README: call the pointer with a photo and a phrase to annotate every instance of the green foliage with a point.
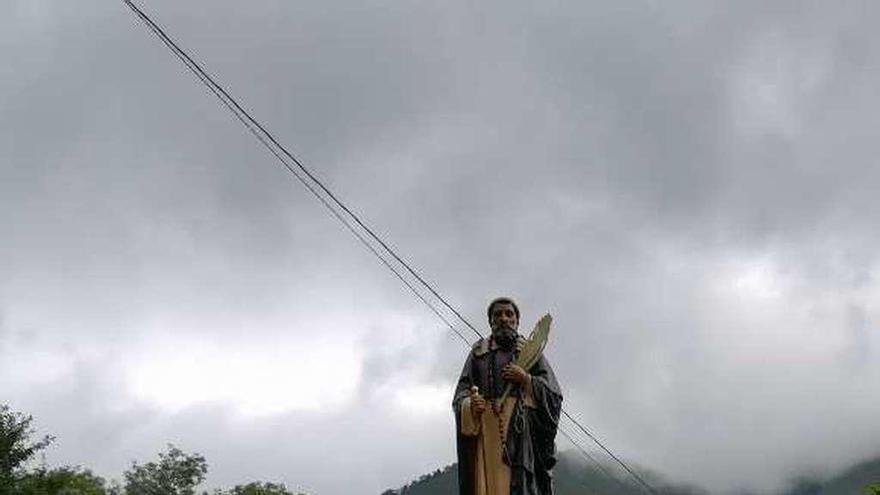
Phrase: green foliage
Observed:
(16, 445)
(60, 481)
(440, 482)
(572, 477)
(176, 473)
(805, 486)
(872, 489)
(257, 488)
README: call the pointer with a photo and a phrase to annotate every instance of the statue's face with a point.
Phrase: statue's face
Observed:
(504, 316)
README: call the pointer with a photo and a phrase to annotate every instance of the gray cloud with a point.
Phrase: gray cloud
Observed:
(688, 188)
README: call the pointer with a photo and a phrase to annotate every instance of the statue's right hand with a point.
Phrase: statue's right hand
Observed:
(478, 403)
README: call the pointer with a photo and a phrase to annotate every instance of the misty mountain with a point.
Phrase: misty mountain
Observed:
(574, 476)
(852, 481)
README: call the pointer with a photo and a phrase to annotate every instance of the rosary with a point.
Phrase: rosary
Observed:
(498, 409)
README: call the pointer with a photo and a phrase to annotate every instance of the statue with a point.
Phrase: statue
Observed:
(507, 405)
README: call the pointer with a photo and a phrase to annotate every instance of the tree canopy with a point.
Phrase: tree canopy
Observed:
(257, 488)
(175, 472)
(16, 444)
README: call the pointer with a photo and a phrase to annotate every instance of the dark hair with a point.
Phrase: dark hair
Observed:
(501, 300)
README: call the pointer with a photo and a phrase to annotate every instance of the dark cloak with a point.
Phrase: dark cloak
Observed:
(532, 431)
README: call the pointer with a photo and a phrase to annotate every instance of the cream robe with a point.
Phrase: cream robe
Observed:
(491, 472)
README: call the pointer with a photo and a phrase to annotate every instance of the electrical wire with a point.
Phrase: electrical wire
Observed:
(591, 458)
(243, 115)
(608, 451)
(252, 126)
(279, 151)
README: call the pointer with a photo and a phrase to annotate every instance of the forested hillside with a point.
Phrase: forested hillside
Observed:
(575, 477)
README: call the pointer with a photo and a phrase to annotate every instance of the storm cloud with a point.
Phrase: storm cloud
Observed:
(688, 187)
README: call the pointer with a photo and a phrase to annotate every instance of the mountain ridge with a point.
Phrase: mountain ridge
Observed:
(574, 477)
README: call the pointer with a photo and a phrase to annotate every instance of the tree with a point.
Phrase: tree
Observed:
(176, 473)
(60, 481)
(257, 488)
(16, 445)
(805, 486)
(872, 489)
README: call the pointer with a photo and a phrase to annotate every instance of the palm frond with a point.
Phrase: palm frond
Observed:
(532, 348)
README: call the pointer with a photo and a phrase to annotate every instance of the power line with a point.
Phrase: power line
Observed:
(619, 461)
(243, 115)
(588, 456)
(265, 138)
(252, 126)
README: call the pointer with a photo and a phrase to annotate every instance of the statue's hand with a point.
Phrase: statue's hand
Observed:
(516, 374)
(478, 403)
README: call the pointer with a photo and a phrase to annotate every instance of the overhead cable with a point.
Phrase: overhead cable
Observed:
(279, 151)
(591, 458)
(265, 138)
(603, 447)
(244, 115)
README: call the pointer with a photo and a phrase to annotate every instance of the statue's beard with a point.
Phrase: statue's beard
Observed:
(505, 338)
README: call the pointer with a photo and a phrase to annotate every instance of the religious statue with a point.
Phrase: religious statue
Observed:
(507, 405)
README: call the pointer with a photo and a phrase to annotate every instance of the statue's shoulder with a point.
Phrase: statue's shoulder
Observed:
(480, 347)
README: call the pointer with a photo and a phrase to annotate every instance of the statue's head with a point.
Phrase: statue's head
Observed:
(503, 316)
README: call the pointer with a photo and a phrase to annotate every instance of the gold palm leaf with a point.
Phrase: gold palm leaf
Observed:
(532, 348)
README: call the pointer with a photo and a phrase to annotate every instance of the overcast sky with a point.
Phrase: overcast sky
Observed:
(689, 187)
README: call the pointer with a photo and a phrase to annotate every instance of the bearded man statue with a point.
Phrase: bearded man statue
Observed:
(505, 447)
